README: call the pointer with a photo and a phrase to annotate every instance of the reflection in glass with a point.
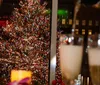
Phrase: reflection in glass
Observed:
(94, 58)
(70, 57)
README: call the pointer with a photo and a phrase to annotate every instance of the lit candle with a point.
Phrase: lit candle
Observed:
(18, 75)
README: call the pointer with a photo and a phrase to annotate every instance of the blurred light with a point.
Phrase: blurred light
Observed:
(63, 21)
(48, 11)
(99, 42)
(70, 21)
(69, 40)
(72, 38)
(83, 31)
(77, 32)
(53, 61)
(90, 32)
(73, 30)
(62, 12)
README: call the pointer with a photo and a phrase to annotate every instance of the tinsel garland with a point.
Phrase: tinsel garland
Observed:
(25, 42)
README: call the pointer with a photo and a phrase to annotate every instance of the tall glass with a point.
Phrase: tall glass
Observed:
(94, 58)
(71, 48)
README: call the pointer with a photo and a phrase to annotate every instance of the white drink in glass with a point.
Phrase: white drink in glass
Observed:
(94, 65)
(70, 60)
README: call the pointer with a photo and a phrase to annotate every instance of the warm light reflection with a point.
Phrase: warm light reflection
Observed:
(17, 75)
(53, 61)
(83, 31)
(63, 21)
(99, 42)
(90, 32)
(1, 2)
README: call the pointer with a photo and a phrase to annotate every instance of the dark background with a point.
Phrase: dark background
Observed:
(8, 5)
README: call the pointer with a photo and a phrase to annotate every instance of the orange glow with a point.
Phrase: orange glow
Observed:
(17, 75)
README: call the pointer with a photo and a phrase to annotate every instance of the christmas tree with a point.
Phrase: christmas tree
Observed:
(25, 41)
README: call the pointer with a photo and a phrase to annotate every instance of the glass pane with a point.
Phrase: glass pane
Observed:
(65, 21)
(86, 22)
